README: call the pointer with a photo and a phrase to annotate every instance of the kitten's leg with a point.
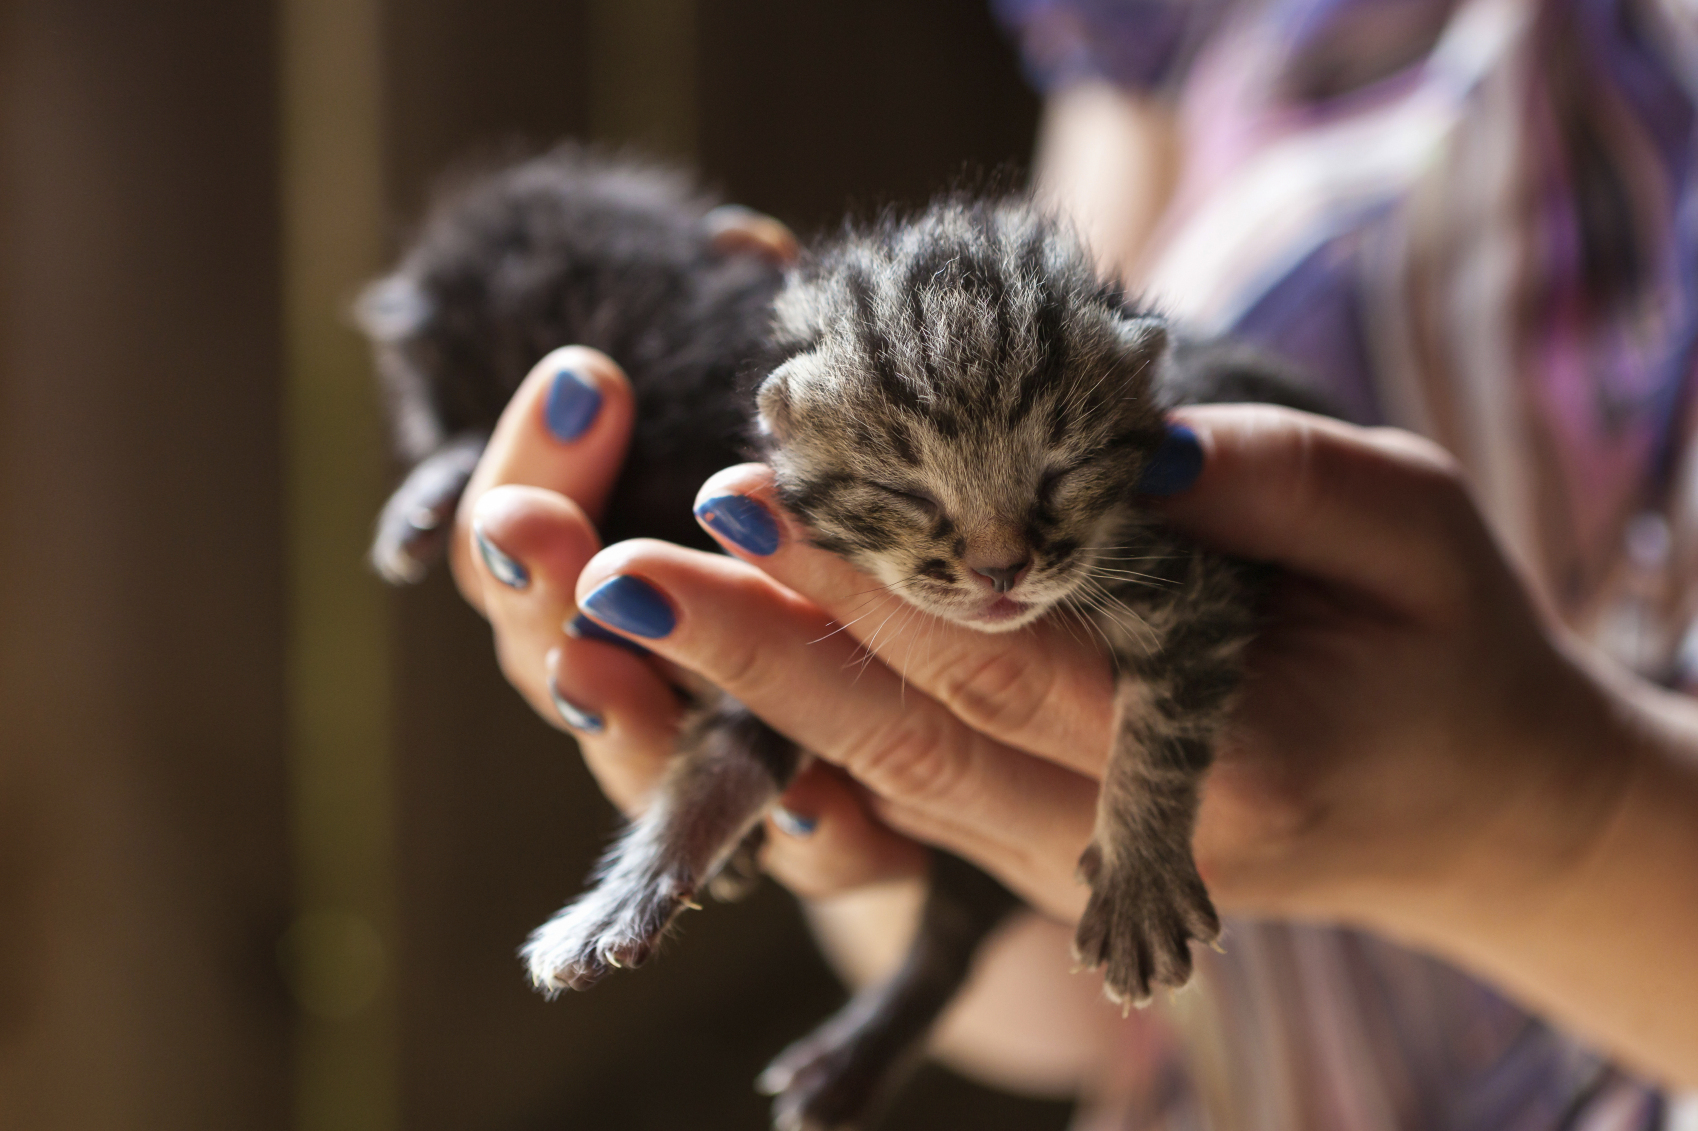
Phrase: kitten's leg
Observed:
(834, 1077)
(741, 873)
(730, 768)
(413, 529)
(1147, 900)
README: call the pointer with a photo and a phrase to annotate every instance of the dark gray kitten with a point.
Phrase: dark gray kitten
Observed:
(952, 401)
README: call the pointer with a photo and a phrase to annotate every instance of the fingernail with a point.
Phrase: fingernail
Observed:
(1176, 464)
(741, 521)
(632, 605)
(581, 627)
(793, 824)
(573, 715)
(572, 405)
(506, 570)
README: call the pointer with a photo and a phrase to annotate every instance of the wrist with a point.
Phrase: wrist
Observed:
(1581, 900)
(1555, 773)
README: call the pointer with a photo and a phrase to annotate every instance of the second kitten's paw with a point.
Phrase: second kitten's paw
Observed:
(828, 1080)
(618, 923)
(1140, 921)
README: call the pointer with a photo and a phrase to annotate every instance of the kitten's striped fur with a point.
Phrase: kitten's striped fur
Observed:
(964, 410)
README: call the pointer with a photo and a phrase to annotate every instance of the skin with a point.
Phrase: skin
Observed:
(1418, 751)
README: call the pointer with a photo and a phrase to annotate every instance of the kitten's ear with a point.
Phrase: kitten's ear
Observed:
(772, 405)
(1141, 334)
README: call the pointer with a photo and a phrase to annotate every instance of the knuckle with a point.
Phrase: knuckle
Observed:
(736, 663)
(910, 761)
(1001, 694)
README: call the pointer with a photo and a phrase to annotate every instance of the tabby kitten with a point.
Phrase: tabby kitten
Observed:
(952, 401)
(964, 410)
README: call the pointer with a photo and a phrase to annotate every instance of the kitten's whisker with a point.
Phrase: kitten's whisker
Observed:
(1110, 605)
(1103, 555)
(867, 646)
(1069, 613)
(1074, 606)
(1133, 575)
(850, 624)
(1090, 622)
(888, 590)
(914, 610)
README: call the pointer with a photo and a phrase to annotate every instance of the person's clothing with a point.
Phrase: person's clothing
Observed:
(1477, 219)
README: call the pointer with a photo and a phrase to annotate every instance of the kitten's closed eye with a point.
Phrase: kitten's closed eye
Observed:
(917, 497)
(1054, 480)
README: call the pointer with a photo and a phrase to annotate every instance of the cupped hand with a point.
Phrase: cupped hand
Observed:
(1408, 729)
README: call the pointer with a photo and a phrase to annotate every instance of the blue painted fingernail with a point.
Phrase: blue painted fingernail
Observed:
(581, 627)
(741, 521)
(1176, 464)
(506, 570)
(632, 605)
(793, 824)
(572, 405)
(573, 715)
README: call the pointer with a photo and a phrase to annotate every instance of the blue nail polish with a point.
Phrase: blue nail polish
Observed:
(572, 405)
(632, 605)
(573, 715)
(793, 824)
(741, 521)
(506, 570)
(1176, 464)
(581, 627)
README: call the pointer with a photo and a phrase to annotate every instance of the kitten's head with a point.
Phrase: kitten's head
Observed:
(963, 409)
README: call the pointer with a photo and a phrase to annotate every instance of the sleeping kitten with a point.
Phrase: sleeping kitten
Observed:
(964, 410)
(953, 402)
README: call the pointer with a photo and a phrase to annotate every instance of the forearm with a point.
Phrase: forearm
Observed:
(1108, 160)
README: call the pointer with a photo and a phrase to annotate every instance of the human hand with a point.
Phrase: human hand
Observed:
(524, 529)
(1401, 737)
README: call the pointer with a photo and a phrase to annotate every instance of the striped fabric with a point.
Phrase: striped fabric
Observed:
(1477, 219)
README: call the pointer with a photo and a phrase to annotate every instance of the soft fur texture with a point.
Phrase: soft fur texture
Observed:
(952, 401)
(963, 410)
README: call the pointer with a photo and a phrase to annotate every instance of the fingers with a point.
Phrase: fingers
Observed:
(565, 430)
(823, 840)
(531, 545)
(1046, 689)
(1378, 510)
(1022, 816)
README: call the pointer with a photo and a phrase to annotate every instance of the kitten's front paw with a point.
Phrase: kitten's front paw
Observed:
(1140, 921)
(618, 923)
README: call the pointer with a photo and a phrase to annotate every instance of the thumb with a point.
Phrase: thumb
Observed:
(1379, 510)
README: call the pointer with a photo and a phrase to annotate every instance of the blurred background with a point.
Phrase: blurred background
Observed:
(270, 835)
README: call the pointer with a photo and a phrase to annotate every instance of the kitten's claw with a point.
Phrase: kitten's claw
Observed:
(615, 926)
(1139, 924)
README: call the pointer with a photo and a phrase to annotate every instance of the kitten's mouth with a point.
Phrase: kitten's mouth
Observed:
(1000, 610)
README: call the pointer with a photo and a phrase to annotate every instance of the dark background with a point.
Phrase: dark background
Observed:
(149, 829)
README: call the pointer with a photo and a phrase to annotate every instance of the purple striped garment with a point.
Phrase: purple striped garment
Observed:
(1477, 219)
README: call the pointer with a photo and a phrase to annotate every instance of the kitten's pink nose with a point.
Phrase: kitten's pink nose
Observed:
(1003, 577)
